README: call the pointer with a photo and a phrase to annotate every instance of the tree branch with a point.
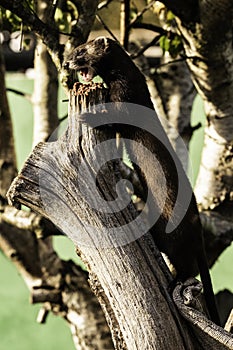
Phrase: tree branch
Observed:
(104, 4)
(149, 26)
(139, 14)
(48, 33)
(30, 221)
(186, 10)
(45, 113)
(60, 285)
(209, 42)
(145, 47)
(7, 151)
(86, 17)
(54, 168)
(124, 23)
(20, 93)
(106, 27)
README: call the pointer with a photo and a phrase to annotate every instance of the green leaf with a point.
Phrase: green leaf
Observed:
(170, 16)
(176, 46)
(63, 20)
(164, 43)
(171, 43)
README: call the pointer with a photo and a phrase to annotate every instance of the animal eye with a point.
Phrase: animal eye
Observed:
(81, 52)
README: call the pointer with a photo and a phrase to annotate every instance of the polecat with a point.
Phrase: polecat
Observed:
(184, 243)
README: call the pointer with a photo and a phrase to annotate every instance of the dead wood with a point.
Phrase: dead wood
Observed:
(126, 275)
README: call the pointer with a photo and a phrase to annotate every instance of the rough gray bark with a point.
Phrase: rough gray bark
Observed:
(7, 151)
(186, 11)
(177, 94)
(45, 93)
(131, 285)
(208, 39)
(116, 267)
(26, 237)
(60, 286)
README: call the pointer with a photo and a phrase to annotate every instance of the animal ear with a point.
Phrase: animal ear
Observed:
(102, 42)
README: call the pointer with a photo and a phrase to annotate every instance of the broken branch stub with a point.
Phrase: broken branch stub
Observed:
(57, 181)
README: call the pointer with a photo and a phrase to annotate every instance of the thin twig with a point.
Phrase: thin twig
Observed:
(21, 37)
(124, 23)
(139, 14)
(144, 48)
(149, 26)
(183, 58)
(54, 7)
(63, 118)
(106, 27)
(20, 93)
(103, 4)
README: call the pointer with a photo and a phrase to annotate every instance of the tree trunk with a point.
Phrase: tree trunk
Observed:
(128, 274)
(60, 286)
(208, 40)
(61, 161)
(26, 237)
(177, 94)
(45, 85)
(45, 94)
(130, 278)
(7, 151)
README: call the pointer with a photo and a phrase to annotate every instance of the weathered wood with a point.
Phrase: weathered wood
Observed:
(7, 151)
(130, 276)
(61, 286)
(74, 183)
(208, 334)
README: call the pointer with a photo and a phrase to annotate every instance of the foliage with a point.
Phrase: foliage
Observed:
(63, 17)
(66, 15)
(171, 43)
(9, 21)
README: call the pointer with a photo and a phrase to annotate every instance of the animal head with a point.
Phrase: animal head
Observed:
(88, 58)
(106, 58)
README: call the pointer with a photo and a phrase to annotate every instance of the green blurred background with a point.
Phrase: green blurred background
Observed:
(18, 327)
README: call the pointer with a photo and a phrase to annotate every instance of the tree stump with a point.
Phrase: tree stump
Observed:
(76, 182)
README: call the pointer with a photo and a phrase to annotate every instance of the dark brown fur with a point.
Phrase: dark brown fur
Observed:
(184, 245)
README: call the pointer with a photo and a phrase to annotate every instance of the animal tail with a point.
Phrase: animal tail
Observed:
(207, 288)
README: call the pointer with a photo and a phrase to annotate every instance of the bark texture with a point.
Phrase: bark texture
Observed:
(208, 40)
(45, 94)
(177, 94)
(208, 62)
(130, 285)
(60, 286)
(116, 267)
(7, 151)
